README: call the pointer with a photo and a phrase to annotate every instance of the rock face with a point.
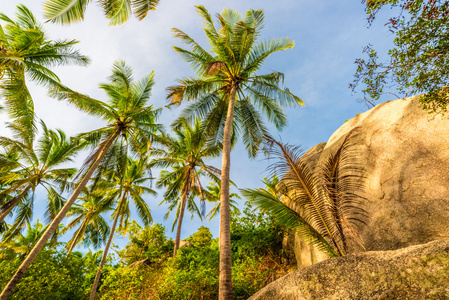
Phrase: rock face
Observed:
(405, 155)
(416, 272)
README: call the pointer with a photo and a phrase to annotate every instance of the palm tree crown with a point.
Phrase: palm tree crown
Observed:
(92, 227)
(26, 50)
(230, 70)
(38, 164)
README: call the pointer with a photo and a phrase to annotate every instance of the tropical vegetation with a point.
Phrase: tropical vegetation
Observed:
(185, 154)
(116, 11)
(226, 94)
(417, 63)
(229, 98)
(145, 268)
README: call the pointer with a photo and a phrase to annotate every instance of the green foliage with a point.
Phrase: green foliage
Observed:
(116, 11)
(228, 72)
(52, 276)
(35, 162)
(147, 242)
(26, 53)
(193, 274)
(418, 60)
(201, 238)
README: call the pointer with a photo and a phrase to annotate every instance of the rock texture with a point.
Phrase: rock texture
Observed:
(405, 154)
(416, 272)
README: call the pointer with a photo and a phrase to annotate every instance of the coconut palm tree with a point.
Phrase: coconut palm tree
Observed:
(125, 183)
(213, 191)
(116, 11)
(88, 216)
(35, 164)
(22, 244)
(185, 154)
(324, 206)
(27, 53)
(129, 120)
(229, 96)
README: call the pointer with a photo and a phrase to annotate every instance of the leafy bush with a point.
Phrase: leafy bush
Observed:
(51, 276)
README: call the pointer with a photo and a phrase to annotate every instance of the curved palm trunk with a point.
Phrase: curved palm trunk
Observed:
(6, 209)
(181, 216)
(225, 281)
(55, 223)
(106, 249)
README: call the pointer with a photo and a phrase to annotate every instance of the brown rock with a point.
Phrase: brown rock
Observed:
(405, 153)
(416, 272)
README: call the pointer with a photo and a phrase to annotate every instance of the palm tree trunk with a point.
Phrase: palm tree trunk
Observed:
(181, 216)
(106, 249)
(9, 206)
(75, 239)
(55, 223)
(225, 281)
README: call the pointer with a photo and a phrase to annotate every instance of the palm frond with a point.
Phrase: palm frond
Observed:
(65, 11)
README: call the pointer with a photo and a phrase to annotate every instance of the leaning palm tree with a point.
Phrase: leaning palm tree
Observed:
(35, 164)
(129, 120)
(325, 206)
(116, 11)
(185, 155)
(88, 217)
(27, 53)
(229, 96)
(125, 183)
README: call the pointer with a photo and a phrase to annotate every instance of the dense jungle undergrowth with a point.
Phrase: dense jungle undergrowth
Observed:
(145, 268)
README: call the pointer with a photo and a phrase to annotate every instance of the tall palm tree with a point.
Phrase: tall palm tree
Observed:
(185, 155)
(116, 11)
(26, 52)
(35, 164)
(229, 95)
(92, 227)
(125, 183)
(325, 206)
(213, 191)
(129, 120)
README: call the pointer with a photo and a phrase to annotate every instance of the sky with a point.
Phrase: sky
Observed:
(329, 36)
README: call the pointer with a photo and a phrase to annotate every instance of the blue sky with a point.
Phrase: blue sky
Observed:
(329, 35)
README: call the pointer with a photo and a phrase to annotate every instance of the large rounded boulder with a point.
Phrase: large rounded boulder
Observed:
(404, 152)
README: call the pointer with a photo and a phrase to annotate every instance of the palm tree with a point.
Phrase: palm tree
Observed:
(227, 85)
(324, 206)
(25, 51)
(116, 11)
(22, 244)
(185, 155)
(33, 166)
(93, 228)
(213, 191)
(129, 120)
(125, 183)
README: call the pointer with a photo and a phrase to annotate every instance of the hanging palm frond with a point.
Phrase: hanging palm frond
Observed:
(325, 205)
